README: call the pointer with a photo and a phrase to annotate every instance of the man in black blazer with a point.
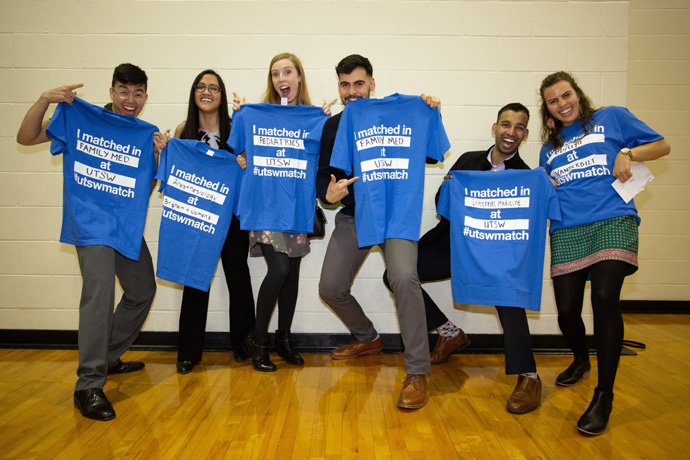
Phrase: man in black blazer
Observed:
(433, 263)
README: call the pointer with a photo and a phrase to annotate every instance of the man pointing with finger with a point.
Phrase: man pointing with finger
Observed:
(344, 257)
(109, 161)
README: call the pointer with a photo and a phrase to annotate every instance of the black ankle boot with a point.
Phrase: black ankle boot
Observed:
(258, 350)
(574, 373)
(285, 351)
(595, 418)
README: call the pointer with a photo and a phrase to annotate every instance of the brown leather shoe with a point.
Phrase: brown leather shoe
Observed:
(356, 349)
(526, 396)
(414, 393)
(447, 345)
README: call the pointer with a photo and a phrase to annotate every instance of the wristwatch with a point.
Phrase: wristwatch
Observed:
(627, 151)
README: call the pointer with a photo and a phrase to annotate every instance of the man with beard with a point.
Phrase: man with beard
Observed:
(344, 257)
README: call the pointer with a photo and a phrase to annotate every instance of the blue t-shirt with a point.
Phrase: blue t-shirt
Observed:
(498, 234)
(582, 166)
(199, 184)
(282, 144)
(387, 142)
(108, 166)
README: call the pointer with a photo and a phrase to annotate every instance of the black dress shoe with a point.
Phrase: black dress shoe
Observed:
(184, 367)
(258, 350)
(574, 373)
(240, 356)
(123, 367)
(596, 417)
(93, 404)
(285, 351)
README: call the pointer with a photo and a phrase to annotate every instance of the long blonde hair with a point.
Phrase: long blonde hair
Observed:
(272, 96)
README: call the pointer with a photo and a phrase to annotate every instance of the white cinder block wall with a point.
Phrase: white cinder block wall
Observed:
(475, 55)
(659, 93)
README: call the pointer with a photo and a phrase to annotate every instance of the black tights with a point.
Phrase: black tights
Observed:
(281, 284)
(607, 280)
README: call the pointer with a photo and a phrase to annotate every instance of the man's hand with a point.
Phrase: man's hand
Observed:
(236, 102)
(33, 129)
(326, 106)
(432, 101)
(338, 190)
(242, 160)
(65, 93)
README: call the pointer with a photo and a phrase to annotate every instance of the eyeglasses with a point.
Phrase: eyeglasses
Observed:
(211, 88)
(122, 94)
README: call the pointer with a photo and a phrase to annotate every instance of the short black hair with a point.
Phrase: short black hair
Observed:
(129, 74)
(515, 107)
(351, 62)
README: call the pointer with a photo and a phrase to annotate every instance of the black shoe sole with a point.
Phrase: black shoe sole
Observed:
(590, 433)
(259, 369)
(98, 419)
(292, 362)
(240, 358)
(568, 384)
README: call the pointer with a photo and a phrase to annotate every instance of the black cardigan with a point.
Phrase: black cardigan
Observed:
(469, 161)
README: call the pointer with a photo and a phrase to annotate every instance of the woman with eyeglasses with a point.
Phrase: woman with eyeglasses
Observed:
(208, 120)
(282, 251)
(585, 150)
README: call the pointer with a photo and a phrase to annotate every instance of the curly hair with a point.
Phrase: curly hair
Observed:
(551, 127)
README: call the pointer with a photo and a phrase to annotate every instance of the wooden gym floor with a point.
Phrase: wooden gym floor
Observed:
(346, 409)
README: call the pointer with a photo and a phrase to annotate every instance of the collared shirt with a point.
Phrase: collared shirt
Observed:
(501, 166)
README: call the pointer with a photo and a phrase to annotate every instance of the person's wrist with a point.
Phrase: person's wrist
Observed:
(626, 152)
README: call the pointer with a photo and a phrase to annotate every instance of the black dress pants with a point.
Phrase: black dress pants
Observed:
(194, 309)
(433, 264)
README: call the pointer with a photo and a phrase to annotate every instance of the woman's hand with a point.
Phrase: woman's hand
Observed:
(160, 142)
(242, 160)
(236, 102)
(621, 168)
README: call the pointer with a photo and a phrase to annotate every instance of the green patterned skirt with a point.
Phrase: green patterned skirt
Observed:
(578, 247)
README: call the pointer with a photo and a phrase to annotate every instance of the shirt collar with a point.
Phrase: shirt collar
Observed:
(502, 165)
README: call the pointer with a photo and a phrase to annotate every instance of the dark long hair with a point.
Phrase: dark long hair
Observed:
(191, 126)
(552, 135)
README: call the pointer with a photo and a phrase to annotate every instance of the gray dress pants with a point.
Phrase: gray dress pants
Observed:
(343, 259)
(104, 334)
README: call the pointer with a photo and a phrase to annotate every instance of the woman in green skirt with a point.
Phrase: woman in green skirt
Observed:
(585, 150)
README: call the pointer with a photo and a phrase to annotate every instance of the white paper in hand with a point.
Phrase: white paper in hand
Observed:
(641, 176)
